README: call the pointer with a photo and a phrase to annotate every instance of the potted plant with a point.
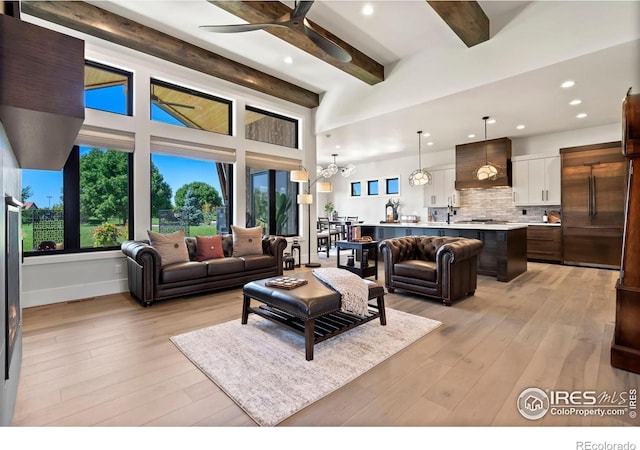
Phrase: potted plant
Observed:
(328, 207)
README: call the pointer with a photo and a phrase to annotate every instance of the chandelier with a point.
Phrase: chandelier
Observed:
(420, 176)
(333, 169)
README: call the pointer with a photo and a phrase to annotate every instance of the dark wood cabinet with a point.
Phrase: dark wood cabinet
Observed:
(544, 243)
(471, 156)
(625, 348)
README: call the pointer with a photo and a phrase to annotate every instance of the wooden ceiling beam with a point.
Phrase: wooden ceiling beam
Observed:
(111, 27)
(466, 19)
(360, 66)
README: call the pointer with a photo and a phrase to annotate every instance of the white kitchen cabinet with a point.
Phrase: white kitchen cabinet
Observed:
(536, 180)
(441, 192)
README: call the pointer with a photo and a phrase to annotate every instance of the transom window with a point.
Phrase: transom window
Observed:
(269, 127)
(185, 107)
(107, 88)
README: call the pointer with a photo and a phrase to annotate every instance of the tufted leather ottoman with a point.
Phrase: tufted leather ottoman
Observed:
(312, 309)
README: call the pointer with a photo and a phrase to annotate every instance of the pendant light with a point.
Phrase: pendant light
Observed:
(420, 176)
(489, 171)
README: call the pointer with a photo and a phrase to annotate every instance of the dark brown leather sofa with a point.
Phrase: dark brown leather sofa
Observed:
(439, 267)
(149, 281)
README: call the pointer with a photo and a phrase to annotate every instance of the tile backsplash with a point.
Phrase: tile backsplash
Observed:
(495, 203)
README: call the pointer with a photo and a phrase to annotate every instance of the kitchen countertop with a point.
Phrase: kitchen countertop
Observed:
(465, 226)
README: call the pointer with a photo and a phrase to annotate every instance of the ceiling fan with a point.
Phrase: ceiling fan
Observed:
(296, 20)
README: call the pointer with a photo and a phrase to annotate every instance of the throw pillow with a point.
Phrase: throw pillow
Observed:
(209, 247)
(246, 241)
(171, 247)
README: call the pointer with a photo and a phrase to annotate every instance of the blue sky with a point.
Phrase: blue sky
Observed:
(46, 185)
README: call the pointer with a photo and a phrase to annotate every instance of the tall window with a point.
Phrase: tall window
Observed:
(107, 88)
(272, 128)
(189, 194)
(86, 206)
(185, 107)
(271, 202)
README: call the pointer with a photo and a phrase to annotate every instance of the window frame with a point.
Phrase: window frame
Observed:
(271, 201)
(71, 207)
(296, 122)
(126, 73)
(194, 92)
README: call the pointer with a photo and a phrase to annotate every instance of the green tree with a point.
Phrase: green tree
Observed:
(203, 192)
(104, 180)
(27, 192)
(160, 192)
(191, 212)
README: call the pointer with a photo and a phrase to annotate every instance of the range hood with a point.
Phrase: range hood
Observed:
(472, 155)
(41, 92)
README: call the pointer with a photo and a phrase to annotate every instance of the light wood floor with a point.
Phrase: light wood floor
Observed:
(108, 361)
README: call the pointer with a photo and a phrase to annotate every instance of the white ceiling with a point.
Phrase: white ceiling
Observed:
(433, 81)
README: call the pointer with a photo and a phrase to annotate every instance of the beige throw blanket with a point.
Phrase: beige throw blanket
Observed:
(352, 288)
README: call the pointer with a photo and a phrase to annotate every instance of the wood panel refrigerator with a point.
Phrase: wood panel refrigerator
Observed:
(593, 204)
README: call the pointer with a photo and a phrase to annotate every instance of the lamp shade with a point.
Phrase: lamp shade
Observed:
(305, 199)
(324, 186)
(299, 176)
(419, 177)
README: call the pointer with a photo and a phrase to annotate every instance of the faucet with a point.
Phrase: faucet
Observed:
(449, 209)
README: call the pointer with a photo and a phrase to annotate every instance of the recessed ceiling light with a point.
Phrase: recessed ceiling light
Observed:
(337, 146)
(288, 59)
(581, 115)
(367, 10)
(568, 84)
(575, 102)
(471, 135)
(426, 134)
(520, 127)
(429, 143)
(491, 121)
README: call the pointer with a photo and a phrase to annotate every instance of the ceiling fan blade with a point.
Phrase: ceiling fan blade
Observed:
(156, 99)
(238, 28)
(301, 10)
(328, 46)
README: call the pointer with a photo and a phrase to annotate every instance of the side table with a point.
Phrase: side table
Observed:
(364, 268)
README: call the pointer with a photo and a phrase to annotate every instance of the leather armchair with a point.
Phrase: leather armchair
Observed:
(441, 267)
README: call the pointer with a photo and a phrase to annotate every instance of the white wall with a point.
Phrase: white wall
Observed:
(58, 278)
(552, 143)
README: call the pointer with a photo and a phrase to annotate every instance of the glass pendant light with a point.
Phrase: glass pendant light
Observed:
(489, 171)
(420, 176)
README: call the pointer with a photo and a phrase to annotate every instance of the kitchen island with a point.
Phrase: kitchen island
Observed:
(503, 256)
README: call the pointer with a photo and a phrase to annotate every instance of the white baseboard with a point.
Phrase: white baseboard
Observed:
(74, 292)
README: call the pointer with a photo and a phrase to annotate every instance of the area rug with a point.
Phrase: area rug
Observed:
(262, 366)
